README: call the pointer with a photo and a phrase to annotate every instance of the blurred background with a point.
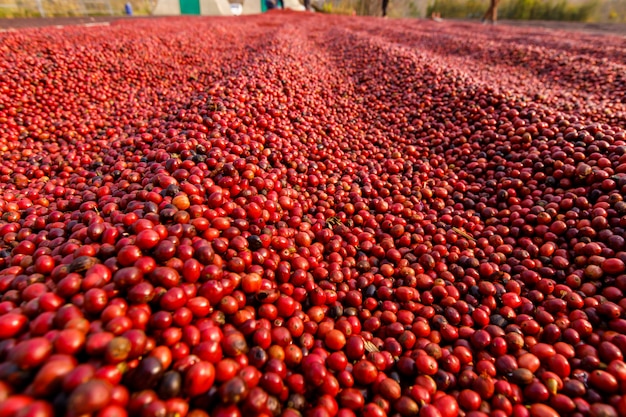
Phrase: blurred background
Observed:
(594, 11)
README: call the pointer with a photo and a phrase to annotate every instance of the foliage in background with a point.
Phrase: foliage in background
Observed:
(71, 8)
(567, 10)
(570, 10)
(396, 8)
(614, 11)
(458, 9)
(563, 10)
(518, 9)
(345, 9)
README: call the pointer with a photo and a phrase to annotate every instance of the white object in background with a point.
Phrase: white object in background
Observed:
(294, 5)
(236, 9)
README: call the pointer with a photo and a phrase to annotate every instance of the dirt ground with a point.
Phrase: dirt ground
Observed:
(599, 28)
(20, 23)
(613, 28)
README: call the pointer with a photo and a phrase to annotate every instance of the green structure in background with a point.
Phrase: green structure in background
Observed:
(190, 7)
(263, 6)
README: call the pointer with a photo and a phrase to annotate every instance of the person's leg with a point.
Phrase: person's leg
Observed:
(307, 5)
(489, 13)
(495, 11)
(486, 15)
(385, 4)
